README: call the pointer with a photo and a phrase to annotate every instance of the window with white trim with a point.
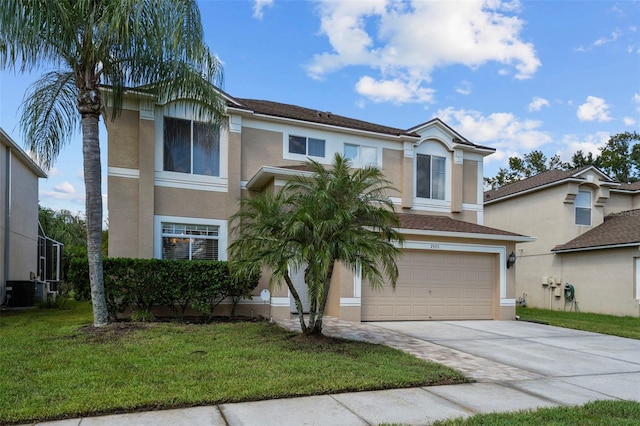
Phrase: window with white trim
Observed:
(189, 241)
(361, 155)
(191, 147)
(430, 176)
(583, 208)
(306, 146)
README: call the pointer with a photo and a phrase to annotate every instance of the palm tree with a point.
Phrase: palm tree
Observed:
(94, 45)
(335, 216)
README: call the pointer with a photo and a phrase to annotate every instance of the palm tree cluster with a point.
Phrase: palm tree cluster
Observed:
(335, 215)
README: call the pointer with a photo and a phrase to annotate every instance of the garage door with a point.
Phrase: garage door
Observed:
(435, 285)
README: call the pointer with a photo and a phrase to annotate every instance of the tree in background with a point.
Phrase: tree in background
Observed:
(68, 229)
(158, 44)
(620, 157)
(335, 216)
(531, 164)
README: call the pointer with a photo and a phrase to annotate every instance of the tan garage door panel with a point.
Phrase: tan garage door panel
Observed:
(435, 286)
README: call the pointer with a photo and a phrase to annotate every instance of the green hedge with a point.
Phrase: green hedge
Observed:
(179, 284)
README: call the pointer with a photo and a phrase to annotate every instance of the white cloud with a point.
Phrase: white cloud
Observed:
(464, 88)
(395, 91)
(604, 40)
(594, 109)
(259, 6)
(65, 188)
(537, 103)
(629, 121)
(587, 144)
(636, 98)
(503, 131)
(405, 41)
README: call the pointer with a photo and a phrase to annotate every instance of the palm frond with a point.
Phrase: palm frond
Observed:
(49, 115)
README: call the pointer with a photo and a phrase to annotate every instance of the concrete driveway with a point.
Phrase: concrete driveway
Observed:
(561, 364)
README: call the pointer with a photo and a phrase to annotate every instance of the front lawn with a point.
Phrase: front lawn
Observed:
(599, 413)
(597, 323)
(53, 367)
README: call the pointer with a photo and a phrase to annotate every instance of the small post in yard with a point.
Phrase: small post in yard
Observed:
(265, 295)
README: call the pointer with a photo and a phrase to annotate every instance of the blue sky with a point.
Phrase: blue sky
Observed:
(557, 76)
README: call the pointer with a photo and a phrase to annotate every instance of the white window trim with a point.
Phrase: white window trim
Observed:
(187, 180)
(576, 207)
(157, 232)
(447, 181)
(357, 162)
(303, 157)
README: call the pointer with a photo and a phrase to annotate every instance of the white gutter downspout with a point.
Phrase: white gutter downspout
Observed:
(7, 226)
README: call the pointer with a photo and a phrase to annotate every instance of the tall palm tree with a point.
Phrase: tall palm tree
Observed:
(94, 44)
(338, 215)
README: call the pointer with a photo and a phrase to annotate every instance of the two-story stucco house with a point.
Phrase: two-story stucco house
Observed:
(18, 219)
(171, 196)
(587, 230)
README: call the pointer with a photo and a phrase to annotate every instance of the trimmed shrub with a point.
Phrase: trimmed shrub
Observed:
(179, 284)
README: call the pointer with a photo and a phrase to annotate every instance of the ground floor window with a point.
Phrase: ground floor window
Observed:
(190, 241)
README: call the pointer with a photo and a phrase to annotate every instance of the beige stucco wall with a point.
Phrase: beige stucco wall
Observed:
(604, 281)
(261, 148)
(123, 217)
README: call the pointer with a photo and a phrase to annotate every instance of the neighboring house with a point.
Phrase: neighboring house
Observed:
(171, 196)
(23, 252)
(588, 236)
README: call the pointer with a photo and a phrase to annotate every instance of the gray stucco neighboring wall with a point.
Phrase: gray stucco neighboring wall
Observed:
(18, 213)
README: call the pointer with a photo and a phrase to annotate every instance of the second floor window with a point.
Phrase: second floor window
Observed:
(583, 208)
(361, 155)
(191, 147)
(306, 146)
(430, 176)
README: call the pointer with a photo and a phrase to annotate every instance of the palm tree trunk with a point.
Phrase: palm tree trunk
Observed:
(93, 191)
(298, 303)
(316, 327)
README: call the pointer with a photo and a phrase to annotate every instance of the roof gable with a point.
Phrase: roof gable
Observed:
(32, 165)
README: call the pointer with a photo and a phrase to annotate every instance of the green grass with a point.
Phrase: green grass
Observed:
(598, 323)
(601, 413)
(53, 369)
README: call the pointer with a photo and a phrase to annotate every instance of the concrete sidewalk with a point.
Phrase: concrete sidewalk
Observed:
(516, 365)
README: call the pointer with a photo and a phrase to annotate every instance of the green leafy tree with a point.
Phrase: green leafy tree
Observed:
(529, 165)
(67, 228)
(335, 216)
(92, 44)
(579, 159)
(620, 157)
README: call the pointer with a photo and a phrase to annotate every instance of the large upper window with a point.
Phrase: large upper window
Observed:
(306, 146)
(189, 242)
(583, 208)
(191, 147)
(361, 155)
(430, 176)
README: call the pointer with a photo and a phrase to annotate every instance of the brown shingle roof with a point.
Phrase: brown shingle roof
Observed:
(537, 181)
(447, 224)
(635, 186)
(618, 229)
(277, 109)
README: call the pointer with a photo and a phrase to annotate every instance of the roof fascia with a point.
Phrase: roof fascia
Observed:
(610, 246)
(262, 176)
(323, 126)
(469, 235)
(14, 147)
